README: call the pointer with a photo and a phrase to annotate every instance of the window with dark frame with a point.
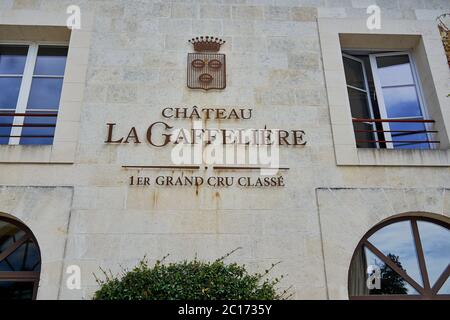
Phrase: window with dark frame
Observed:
(31, 78)
(386, 101)
(20, 261)
(409, 255)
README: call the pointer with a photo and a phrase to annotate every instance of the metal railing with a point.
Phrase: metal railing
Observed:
(395, 133)
(27, 125)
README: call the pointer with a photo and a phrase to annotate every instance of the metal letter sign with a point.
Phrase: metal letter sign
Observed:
(206, 68)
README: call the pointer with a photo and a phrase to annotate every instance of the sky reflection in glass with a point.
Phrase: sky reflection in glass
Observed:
(9, 92)
(445, 289)
(12, 59)
(395, 70)
(397, 239)
(45, 93)
(400, 136)
(402, 102)
(436, 246)
(51, 61)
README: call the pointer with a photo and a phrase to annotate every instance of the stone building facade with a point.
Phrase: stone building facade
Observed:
(284, 61)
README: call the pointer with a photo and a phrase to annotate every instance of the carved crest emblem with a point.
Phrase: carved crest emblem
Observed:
(206, 67)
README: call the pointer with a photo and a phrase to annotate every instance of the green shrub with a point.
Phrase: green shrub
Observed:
(190, 280)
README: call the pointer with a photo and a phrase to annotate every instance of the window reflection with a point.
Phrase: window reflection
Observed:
(45, 93)
(390, 281)
(12, 59)
(395, 70)
(397, 240)
(395, 243)
(368, 268)
(5, 128)
(51, 61)
(402, 136)
(445, 289)
(48, 78)
(402, 102)
(12, 65)
(9, 92)
(436, 246)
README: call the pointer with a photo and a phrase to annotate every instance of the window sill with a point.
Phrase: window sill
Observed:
(60, 153)
(391, 157)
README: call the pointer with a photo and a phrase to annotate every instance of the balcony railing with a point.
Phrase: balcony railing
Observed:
(379, 134)
(37, 127)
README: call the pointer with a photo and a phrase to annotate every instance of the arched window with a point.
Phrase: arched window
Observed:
(20, 260)
(402, 258)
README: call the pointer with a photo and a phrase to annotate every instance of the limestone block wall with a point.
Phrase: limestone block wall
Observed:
(136, 66)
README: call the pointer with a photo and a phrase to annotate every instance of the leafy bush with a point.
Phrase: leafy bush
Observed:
(190, 280)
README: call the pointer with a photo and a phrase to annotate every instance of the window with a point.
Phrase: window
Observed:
(416, 40)
(20, 260)
(403, 258)
(386, 102)
(31, 78)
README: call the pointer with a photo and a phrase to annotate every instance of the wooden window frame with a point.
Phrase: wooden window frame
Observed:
(426, 292)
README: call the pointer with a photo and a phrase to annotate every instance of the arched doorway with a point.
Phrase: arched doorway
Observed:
(20, 260)
(405, 257)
